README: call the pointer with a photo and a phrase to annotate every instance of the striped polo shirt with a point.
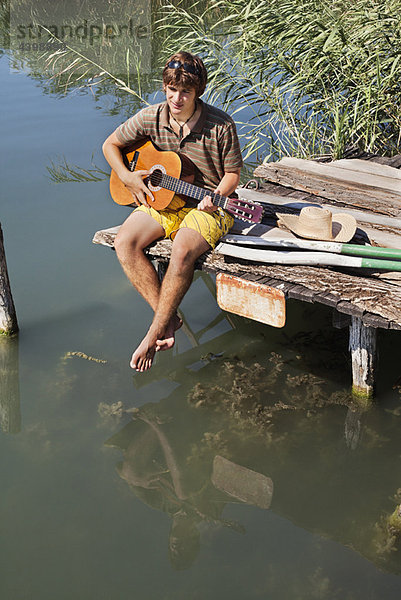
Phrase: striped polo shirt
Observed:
(212, 145)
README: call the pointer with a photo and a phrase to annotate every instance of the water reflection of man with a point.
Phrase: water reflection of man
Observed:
(207, 136)
(184, 541)
(156, 468)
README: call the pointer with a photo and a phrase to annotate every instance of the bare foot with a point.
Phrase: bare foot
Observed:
(142, 358)
(169, 337)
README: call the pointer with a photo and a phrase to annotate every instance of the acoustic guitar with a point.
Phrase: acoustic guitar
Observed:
(167, 172)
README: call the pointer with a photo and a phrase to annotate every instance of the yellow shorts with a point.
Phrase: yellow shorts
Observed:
(211, 226)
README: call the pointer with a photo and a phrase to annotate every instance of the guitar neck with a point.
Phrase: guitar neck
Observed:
(188, 189)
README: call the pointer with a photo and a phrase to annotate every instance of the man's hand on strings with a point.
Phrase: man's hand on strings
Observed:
(207, 204)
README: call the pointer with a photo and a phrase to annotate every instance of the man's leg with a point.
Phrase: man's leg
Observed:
(188, 245)
(134, 235)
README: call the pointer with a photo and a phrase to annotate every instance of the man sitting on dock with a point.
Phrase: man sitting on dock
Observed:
(207, 136)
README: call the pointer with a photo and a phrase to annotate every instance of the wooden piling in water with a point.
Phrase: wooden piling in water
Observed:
(8, 316)
(362, 344)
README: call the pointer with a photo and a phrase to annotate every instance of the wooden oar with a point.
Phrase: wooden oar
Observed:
(335, 247)
(284, 257)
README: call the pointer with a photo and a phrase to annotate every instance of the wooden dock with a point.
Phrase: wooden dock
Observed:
(365, 300)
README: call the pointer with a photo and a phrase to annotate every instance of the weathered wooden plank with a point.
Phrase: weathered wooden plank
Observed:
(299, 292)
(251, 276)
(385, 238)
(370, 198)
(298, 195)
(372, 295)
(326, 286)
(395, 161)
(105, 237)
(369, 167)
(274, 200)
(391, 161)
(327, 298)
(375, 177)
(374, 320)
(280, 285)
(350, 309)
(287, 289)
(277, 189)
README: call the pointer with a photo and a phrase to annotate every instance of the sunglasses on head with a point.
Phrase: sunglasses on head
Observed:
(176, 64)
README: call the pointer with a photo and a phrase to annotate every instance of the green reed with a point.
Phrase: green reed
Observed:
(62, 172)
(300, 77)
(315, 77)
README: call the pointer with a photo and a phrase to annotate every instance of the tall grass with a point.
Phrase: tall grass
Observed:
(300, 77)
(314, 76)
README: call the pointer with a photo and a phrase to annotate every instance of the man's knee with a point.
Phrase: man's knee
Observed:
(136, 233)
(126, 244)
(182, 256)
(188, 245)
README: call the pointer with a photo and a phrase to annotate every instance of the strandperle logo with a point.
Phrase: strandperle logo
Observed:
(94, 32)
(105, 32)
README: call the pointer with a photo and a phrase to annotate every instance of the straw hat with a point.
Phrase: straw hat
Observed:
(315, 223)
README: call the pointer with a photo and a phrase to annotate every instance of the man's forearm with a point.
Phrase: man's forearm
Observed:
(229, 183)
(132, 180)
(112, 153)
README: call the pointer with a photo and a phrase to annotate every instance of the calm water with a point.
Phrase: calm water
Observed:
(110, 483)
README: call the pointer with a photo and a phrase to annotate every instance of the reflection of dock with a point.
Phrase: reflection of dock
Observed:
(366, 300)
(161, 471)
(233, 428)
(190, 459)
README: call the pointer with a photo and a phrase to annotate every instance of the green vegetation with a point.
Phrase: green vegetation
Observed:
(315, 77)
(300, 77)
(63, 172)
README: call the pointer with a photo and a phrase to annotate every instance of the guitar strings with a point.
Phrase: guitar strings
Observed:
(187, 189)
(242, 210)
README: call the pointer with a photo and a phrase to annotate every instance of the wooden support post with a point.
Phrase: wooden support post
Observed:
(362, 344)
(161, 268)
(8, 317)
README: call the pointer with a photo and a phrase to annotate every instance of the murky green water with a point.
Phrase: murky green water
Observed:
(110, 483)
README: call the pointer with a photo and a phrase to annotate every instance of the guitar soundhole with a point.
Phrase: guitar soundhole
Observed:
(156, 177)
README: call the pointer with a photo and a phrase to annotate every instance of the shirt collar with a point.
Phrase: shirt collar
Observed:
(197, 128)
(164, 121)
(200, 123)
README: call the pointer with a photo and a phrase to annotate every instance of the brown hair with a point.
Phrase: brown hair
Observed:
(178, 76)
